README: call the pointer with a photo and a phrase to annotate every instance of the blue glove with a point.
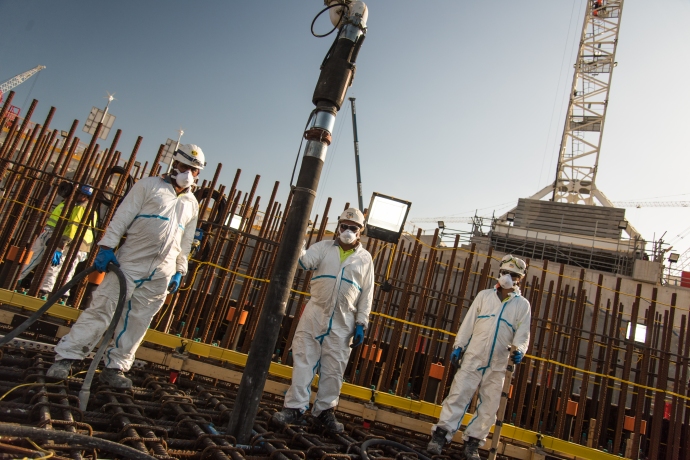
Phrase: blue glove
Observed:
(57, 258)
(103, 258)
(359, 336)
(455, 357)
(517, 356)
(175, 282)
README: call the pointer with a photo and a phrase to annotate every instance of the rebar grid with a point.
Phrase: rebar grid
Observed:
(579, 349)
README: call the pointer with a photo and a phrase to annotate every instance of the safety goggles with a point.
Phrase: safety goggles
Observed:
(182, 167)
(353, 228)
(512, 274)
(518, 262)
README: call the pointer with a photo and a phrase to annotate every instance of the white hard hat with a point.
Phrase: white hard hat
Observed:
(353, 214)
(513, 264)
(191, 155)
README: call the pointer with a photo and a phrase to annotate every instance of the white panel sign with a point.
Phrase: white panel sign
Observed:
(166, 157)
(94, 118)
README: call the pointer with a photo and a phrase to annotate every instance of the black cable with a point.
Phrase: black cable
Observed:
(294, 168)
(372, 442)
(108, 198)
(342, 15)
(49, 303)
(330, 50)
(80, 440)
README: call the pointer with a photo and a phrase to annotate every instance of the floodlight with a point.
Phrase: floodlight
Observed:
(166, 156)
(640, 333)
(673, 257)
(235, 222)
(386, 217)
(623, 224)
(441, 224)
(510, 217)
(99, 116)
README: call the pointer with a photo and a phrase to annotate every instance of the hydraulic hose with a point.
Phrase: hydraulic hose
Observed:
(49, 303)
(85, 389)
(385, 442)
(122, 297)
(81, 440)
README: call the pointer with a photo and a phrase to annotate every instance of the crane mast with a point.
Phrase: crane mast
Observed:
(578, 157)
(19, 79)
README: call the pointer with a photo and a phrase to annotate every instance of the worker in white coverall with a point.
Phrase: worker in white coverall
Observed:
(342, 286)
(497, 319)
(159, 216)
(38, 249)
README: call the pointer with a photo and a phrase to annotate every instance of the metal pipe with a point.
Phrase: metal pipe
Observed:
(336, 76)
(356, 141)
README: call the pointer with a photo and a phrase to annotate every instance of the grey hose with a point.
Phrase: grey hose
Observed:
(49, 303)
(81, 440)
(85, 389)
(386, 442)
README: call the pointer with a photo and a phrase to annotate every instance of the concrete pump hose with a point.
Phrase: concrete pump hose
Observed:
(80, 440)
(385, 442)
(85, 391)
(49, 303)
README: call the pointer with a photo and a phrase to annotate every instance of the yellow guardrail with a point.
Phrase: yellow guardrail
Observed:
(280, 370)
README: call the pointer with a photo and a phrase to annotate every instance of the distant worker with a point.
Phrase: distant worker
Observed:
(341, 296)
(38, 249)
(497, 319)
(159, 216)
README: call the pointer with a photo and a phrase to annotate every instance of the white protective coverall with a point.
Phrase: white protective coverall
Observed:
(341, 296)
(485, 335)
(160, 227)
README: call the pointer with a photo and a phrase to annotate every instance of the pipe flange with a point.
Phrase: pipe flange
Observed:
(317, 134)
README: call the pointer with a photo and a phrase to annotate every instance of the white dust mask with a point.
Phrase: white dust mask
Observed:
(348, 237)
(184, 179)
(506, 281)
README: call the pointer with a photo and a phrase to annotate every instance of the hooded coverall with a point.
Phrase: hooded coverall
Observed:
(341, 296)
(39, 247)
(160, 226)
(486, 334)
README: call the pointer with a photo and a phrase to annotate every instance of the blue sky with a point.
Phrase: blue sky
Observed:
(460, 105)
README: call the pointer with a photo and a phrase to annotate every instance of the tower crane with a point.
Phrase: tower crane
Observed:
(19, 79)
(578, 158)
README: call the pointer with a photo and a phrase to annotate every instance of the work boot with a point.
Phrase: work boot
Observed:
(60, 369)
(287, 416)
(438, 440)
(471, 450)
(115, 378)
(329, 422)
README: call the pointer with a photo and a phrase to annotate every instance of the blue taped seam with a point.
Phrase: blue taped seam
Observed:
(152, 216)
(353, 283)
(117, 340)
(476, 412)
